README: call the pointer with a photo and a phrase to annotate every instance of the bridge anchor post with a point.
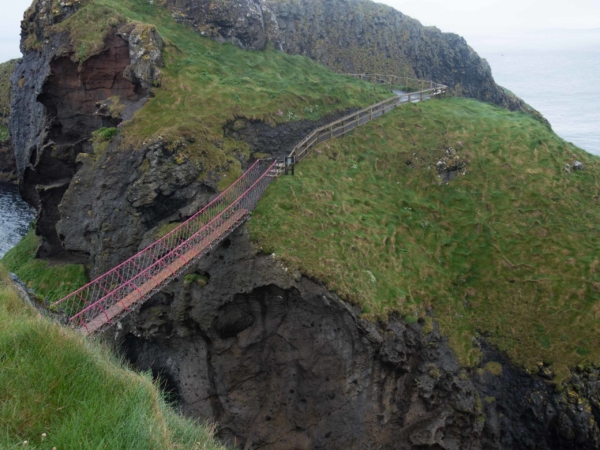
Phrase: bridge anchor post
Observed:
(290, 162)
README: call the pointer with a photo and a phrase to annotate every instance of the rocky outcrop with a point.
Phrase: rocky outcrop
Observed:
(532, 412)
(356, 36)
(8, 164)
(145, 51)
(281, 363)
(58, 102)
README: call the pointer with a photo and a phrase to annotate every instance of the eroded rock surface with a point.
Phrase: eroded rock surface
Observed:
(57, 103)
(281, 363)
(8, 164)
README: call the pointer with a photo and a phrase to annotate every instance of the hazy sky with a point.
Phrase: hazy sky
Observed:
(489, 16)
(472, 19)
(11, 13)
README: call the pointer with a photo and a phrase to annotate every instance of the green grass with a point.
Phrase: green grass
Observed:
(4, 133)
(50, 281)
(6, 71)
(509, 250)
(104, 134)
(74, 390)
(206, 84)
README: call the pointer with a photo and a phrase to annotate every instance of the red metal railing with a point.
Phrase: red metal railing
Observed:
(98, 303)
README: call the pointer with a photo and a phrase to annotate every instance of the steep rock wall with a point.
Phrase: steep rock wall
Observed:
(55, 109)
(281, 363)
(8, 164)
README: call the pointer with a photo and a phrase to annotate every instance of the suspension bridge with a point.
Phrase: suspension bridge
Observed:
(111, 296)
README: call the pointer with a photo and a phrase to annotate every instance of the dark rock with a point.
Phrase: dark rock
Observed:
(8, 164)
(282, 363)
(276, 141)
(527, 412)
(57, 104)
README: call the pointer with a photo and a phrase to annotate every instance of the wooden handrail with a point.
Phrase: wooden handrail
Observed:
(301, 150)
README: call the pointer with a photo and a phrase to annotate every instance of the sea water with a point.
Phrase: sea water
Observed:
(556, 72)
(15, 217)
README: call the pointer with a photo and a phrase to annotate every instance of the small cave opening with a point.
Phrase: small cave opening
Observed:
(134, 350)
(167, 384)
(226, 243)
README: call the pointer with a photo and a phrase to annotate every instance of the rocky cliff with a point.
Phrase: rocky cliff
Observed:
(8, 166)
(280, 363)
(274, 357)
(355, 36)
(60, 99)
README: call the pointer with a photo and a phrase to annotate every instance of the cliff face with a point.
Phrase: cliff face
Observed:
(275, 358)
(8, 165)
(355, 36)
(280, 363)
(58, 102)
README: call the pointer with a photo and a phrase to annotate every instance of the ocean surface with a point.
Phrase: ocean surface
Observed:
(15, 217)
(557, 72)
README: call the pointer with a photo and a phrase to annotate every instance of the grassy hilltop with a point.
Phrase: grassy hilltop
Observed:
(508, 251)
(55, 382)
(205, 84)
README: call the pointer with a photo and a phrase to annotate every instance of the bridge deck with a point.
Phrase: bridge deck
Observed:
(141, 291)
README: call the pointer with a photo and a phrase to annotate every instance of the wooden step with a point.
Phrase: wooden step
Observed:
(141, 291)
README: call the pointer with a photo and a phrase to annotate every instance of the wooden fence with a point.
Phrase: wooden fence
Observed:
(413, 90)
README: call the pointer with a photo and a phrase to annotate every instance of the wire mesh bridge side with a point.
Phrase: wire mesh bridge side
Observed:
(98, 303)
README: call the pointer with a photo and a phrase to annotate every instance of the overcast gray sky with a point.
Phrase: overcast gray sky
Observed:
(480, 21)
(473, 19)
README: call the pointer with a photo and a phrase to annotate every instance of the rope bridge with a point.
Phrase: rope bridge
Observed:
(109, 297)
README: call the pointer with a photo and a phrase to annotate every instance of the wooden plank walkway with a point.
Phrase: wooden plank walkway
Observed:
(141, 291)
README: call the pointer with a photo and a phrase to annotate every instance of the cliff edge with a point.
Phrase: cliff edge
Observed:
(355, 36)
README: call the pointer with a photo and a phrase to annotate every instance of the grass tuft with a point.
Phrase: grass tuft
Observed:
(6, 71)
(4, 134)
